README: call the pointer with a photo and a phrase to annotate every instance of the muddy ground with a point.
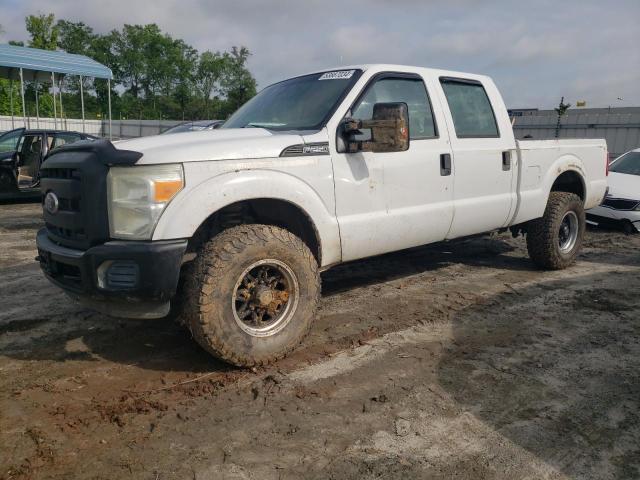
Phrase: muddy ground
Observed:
(455, 360)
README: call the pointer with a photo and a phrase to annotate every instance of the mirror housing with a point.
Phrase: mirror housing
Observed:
(389, 129)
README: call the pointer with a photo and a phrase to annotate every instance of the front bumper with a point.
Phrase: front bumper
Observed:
(120, 278)
(613, 217)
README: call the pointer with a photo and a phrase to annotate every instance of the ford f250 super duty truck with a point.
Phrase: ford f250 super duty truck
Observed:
(230, 228)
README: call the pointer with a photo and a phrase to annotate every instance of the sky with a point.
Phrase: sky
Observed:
(536, 51)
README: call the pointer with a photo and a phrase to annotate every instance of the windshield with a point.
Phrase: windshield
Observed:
(9, 141)
(301, 103)
(628, 163)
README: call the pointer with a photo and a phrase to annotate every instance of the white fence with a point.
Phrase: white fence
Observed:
(100, 128)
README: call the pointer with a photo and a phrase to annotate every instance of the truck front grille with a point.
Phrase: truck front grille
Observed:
(78, 182)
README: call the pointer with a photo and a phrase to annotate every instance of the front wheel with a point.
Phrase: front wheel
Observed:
(554, 240)
(251, 295)
(7, 182)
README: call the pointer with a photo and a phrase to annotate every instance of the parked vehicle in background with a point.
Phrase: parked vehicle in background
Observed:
(194, 126)
(621, 206)
(234, 227)
(22, 152)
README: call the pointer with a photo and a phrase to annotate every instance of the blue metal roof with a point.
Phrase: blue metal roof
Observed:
(39, 64)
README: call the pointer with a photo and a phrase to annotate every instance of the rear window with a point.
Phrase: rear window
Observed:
(628, 163)
(64, 138)
(470, 108)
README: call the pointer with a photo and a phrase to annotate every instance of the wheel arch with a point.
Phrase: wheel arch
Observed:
(260, 196)
(570, 180)
(266, 211)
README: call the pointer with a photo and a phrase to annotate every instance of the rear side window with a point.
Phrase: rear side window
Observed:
(64, 138)
(470, 108)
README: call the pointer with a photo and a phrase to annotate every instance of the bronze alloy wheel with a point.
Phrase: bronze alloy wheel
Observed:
(265, 297)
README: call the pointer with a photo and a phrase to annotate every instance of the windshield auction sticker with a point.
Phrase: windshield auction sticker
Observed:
(339, 75)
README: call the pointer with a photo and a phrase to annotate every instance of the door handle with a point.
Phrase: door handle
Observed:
(506, 161)
(445, 164)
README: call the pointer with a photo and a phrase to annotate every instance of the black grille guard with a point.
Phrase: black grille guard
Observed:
(77, 175)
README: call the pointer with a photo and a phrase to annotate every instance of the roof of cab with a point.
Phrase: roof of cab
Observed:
(389, 67)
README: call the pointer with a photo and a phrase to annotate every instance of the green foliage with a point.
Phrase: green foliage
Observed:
(5, 97)
(43, 31)
(155, 75)
(75, 37)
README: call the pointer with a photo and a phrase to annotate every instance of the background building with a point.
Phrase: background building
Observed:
(619, 126)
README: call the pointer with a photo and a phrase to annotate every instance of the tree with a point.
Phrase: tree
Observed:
(6, 88)
(155, 75)
(561, 110)
(184, 60)
(207, 79)
(43, 31)
(75, 37)
(238, 85)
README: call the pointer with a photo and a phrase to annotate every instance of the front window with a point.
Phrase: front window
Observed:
(301, 103)
(9, 141)
(411, 91)
(628, 163)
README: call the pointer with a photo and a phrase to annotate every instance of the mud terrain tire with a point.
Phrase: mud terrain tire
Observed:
(224, 267)
(547, 235)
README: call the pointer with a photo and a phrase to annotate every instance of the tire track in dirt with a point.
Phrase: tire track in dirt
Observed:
(83, 378)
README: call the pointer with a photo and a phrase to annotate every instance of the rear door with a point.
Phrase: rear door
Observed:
(483, 167)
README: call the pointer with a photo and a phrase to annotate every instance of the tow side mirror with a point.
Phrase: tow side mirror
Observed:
(389, 129)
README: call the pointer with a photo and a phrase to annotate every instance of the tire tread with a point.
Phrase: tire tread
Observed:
(215, 256)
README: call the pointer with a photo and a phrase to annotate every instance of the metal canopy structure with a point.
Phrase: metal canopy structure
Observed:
(32, 64)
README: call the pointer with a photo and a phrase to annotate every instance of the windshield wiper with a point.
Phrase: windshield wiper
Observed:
(263, 125)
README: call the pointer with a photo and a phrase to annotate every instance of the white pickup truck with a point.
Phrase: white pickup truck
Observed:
(231, 227)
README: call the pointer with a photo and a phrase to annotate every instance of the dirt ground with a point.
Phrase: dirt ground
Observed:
(454, 360)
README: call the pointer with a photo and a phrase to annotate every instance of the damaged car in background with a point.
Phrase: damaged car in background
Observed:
(621, 205)
(22, 152)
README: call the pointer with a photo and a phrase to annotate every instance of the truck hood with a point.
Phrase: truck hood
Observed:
(622, 185)
(221, 144)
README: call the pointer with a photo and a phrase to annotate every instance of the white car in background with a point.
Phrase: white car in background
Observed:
(621, 206)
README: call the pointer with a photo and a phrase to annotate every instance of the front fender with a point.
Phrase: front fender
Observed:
(192, 206)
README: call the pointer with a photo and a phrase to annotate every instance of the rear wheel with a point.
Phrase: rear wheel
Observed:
(554, 240)
(251, 294)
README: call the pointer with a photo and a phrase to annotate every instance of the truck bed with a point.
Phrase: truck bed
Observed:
(539, 164)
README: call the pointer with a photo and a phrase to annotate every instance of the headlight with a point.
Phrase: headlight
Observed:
(137, 197)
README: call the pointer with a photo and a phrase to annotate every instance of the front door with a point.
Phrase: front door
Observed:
(390, 201)
(30, 155)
